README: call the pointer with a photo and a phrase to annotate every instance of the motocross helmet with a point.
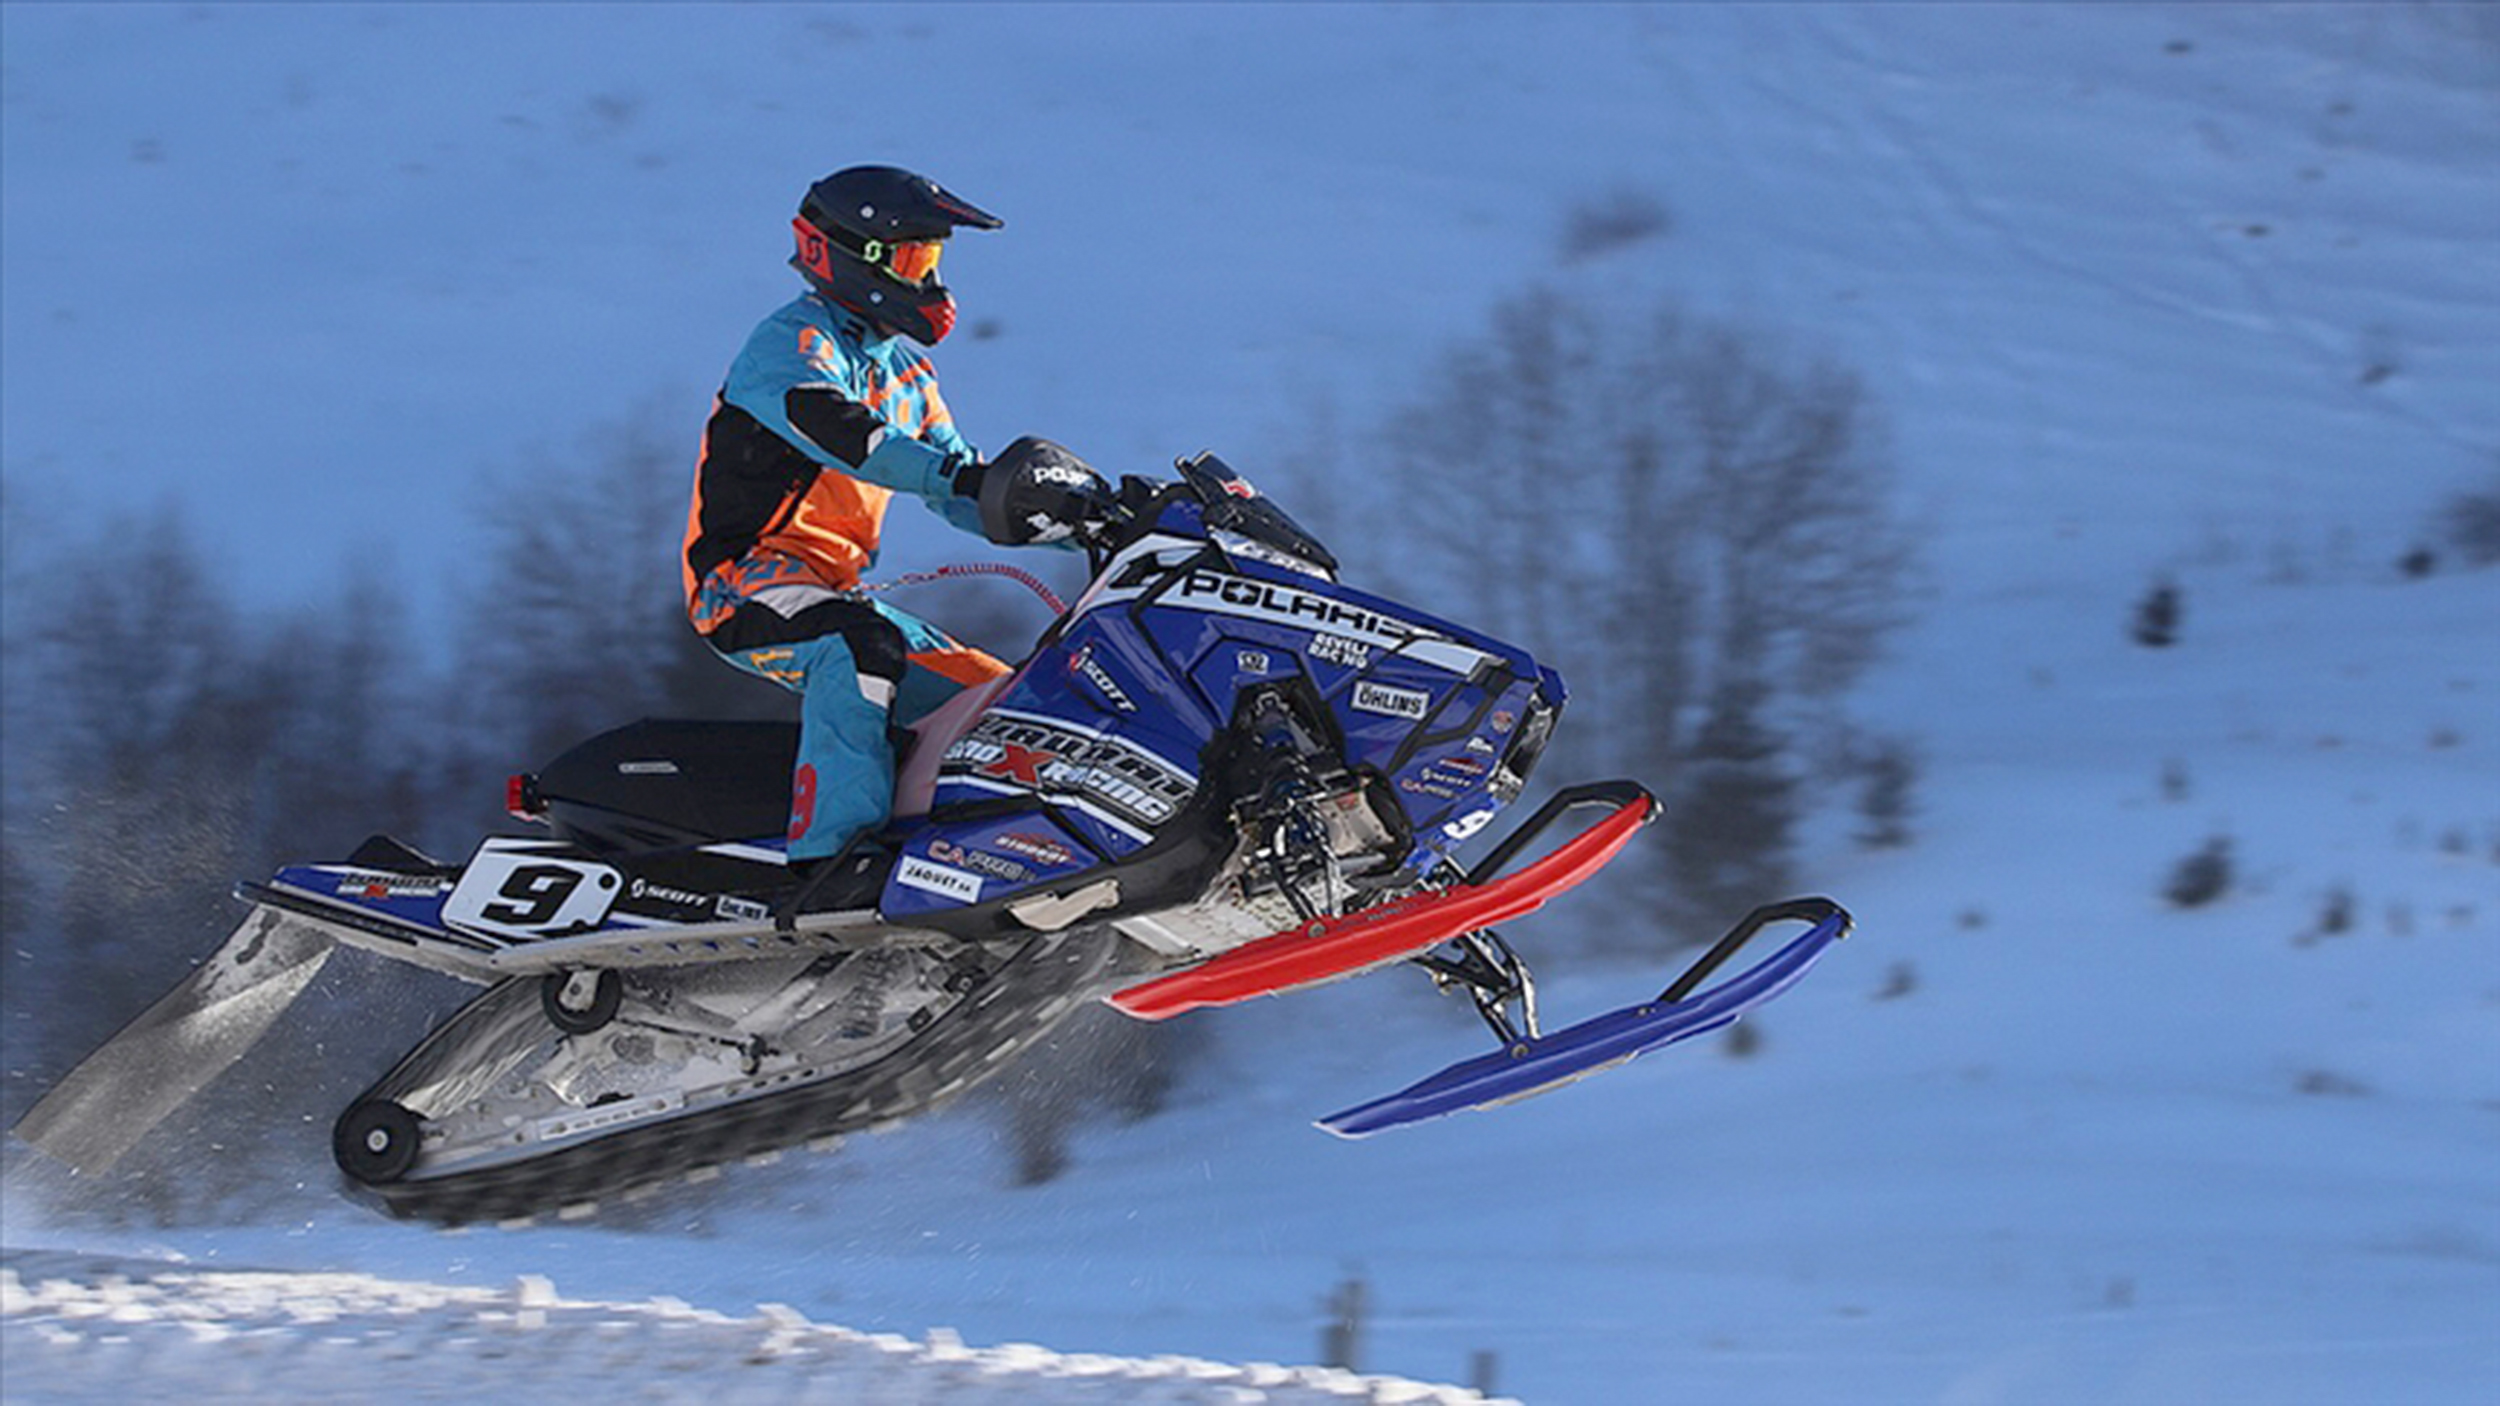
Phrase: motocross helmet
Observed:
(869, 239)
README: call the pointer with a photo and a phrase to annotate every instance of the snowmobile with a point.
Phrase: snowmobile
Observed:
(1219, 774)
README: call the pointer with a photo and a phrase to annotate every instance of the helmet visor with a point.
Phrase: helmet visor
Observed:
(913, 260)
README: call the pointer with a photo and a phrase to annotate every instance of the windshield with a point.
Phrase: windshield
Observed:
(1236, 510)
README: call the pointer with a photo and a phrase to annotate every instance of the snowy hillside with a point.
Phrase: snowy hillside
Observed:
(2210, 292)
(83, 1328)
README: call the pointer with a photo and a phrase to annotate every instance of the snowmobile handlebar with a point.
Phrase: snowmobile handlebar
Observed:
(1228, 501)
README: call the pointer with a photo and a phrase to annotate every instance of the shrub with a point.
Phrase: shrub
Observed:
(2175, 784)
(1887, 772)
(2202, 877)
(2157, 617)
(1617, 219)
(2471, 524)
(2336, 915)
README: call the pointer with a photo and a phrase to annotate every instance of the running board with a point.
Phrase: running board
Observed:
(476, 959)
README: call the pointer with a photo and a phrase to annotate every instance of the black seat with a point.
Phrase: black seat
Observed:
(663, 782)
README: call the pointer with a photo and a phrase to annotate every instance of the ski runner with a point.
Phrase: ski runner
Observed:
(825, 414)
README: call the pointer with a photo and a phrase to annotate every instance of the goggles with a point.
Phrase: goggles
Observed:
(911, 260)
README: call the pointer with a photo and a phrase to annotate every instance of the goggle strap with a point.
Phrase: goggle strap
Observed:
(871, 251)
(847, 242)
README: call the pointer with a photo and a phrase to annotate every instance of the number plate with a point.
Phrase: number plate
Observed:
(517, 889)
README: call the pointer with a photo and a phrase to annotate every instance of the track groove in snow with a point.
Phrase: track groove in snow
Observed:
(94, 1328)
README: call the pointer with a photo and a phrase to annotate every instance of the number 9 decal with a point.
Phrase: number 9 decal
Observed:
(537, 892)
(512, 889)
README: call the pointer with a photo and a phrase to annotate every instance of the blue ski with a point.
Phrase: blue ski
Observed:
(1532, 1064)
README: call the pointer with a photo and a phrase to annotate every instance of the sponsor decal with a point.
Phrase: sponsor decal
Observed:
(1041, 849)
(1253, 661)
(658, 768)
(1059, 474)
(1266, 600)
(917, 873)
(743, 910)
(1050, 758)
(1083, 664)
(684, 898)
(1337, 649)
(1391, 702)
(1220, 593)
(374, 883)
(518, 889)
(1445, 778)
(995, 865)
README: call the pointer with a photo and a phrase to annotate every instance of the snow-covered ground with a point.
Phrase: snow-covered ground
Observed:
(88, 1328)
(2208, 291)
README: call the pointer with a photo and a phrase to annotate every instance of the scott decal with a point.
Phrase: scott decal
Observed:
(1101, 679)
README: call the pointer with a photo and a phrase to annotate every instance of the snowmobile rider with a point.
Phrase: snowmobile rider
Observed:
(826, 414)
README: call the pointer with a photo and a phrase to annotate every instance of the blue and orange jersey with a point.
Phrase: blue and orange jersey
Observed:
(819, 423)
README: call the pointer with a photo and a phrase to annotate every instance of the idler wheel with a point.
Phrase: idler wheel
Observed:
(375, 1141)
(578, 1003)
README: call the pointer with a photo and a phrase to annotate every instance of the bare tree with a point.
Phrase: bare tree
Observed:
(1730, 812)
(576, 622)
(144, 758)
(358, 749)
(580, 603)
(1681, 515)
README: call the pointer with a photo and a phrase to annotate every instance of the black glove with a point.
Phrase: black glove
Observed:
(1035, 491)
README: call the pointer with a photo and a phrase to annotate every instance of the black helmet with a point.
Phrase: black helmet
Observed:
(869, 239)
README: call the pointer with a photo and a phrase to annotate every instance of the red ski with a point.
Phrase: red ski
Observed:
(1325, 948)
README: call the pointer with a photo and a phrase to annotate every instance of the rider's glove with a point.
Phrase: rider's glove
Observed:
(1034, 492)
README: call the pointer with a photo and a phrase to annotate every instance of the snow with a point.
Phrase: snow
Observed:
(2208, 291)
(154, 1331)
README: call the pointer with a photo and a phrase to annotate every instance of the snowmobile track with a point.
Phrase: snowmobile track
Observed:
(1039, 987)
